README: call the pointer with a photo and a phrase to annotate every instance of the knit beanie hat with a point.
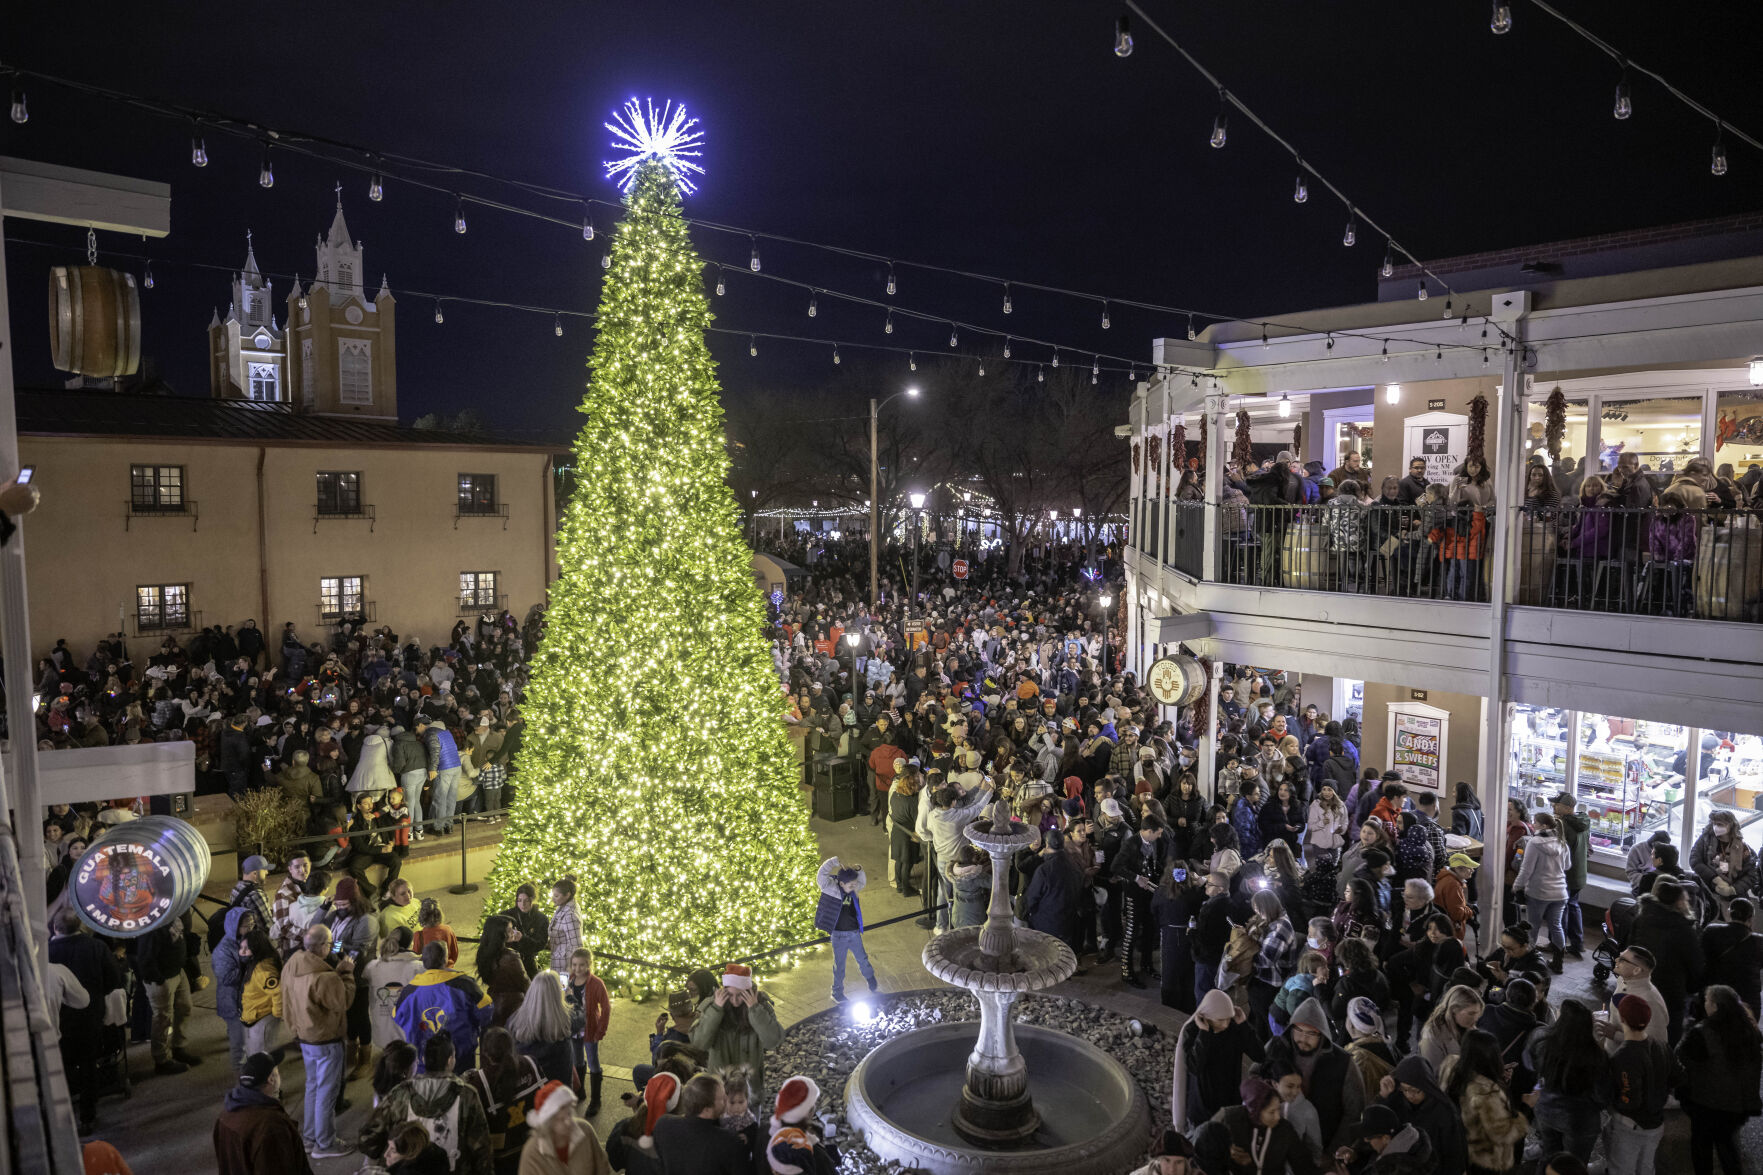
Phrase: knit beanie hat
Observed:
(1363, 1017)
(345, 890)
(1216, 1005)
(795, 1101)
(660, 1096)
(1636, 1012)
(553, 1098)
(789, 1152)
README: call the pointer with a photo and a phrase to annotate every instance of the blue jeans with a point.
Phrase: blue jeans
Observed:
(445, 798)
(324, 1080)
(1573, 921)
(411, 782)
(235, 1039)
(1205, 979)
(1546, 916)
(1568, 1124)
(849, 940)
(1629, 1150)
(1463, 579)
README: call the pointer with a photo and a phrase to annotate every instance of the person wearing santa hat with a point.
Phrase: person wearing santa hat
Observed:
(693, 1142)
(737, 1023)
(560, 1143)
(632, 1146)
(793, 1152)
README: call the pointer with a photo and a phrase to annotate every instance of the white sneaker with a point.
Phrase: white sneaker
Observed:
(335, 1150)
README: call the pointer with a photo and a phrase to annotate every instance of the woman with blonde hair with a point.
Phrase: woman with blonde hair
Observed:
(1457, 1013)
(541, 1028)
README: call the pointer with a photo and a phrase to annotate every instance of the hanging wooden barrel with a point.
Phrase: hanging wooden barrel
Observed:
(94, 320)
(1177, 681)
(1536, 577)
(1729, 569)
(140, 875)
(1304, 556)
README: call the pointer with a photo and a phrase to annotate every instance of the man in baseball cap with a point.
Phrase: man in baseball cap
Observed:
(254, 1135)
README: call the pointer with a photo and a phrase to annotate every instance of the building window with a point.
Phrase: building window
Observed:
(306, 372)
(477, 589)
(339, 493)
(162, 606)
(156, 488)
(339, 596)
(355, 371)
(477, 493)
(266, 382)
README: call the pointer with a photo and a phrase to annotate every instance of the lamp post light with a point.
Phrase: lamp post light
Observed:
(1105, 600)
(875, 408)
(851, 640)
(917, 500)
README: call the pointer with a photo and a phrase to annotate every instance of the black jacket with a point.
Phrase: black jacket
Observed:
(1734, 956)
(1211, 930)
(1051, 903)
(1675, 944)
(700, 1146)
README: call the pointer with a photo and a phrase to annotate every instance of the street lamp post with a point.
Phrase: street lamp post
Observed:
(874, 494)
(1105, 600)
(851, 639)
(917, 500)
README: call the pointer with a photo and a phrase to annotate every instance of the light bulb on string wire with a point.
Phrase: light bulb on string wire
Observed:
(954, 339)
(1006, 346)
(1055, 356)
(1624, 105)
(753, 346)
(198, 152)
(458, 215)
(557, 325)
(1389, 260)
(606, 259)
(891, 286)
(1106, 322)
(1350, 237)
(888, 326)
(1122, 36)
(982, 368)
(1191, 335)
(911, 361)
(21, 113)
(266, 173)
(439, 317)
(1040, 374)
(1423, 293)
(721, 286)
(1093, 378)
(1386, 350)
(1501, 21)
(1301, 193)
(147, 277)
(1717, 158)
(588, 227)
(753, 262)
(1007, 305)
(1447, 312)
(836, 359)
(376, 189)
(813, 305)
(1220, 122)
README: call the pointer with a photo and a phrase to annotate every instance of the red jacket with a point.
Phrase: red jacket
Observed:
(881, 762)
(596, 1008)
(255, 1136)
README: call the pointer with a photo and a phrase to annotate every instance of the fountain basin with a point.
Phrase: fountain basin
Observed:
(904, 1095)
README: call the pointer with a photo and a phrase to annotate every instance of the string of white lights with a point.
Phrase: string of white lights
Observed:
(378, 167)
(1623, 106)
(558, 314)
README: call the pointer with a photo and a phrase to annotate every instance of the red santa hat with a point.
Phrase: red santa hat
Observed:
(737, 975)
(553, 1098)
(660, 1096)
(795, 1101)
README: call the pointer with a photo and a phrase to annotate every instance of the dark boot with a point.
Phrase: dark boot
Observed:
(594, 1080)
(1555, 962)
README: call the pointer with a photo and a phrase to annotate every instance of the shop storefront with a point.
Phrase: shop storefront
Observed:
(1633, 777)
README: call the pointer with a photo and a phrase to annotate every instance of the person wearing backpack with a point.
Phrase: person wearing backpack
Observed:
(506, 1082)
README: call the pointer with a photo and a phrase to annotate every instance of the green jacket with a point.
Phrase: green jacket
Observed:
(432, 1098)
(1577, 832)
(731, 1044)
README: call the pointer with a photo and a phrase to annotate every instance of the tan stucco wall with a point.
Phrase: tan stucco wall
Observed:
(83, 565)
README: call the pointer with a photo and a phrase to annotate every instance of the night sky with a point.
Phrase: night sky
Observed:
(1003, 138)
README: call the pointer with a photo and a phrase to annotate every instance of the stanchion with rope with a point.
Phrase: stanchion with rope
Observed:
(465, 885)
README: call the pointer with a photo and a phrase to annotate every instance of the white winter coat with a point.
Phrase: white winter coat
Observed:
(1543, 876)
(373, 771)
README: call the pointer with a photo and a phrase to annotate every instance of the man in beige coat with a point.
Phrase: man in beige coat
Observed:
(316, 994)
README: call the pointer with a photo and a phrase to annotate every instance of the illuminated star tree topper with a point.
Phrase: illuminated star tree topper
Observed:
(666, 136)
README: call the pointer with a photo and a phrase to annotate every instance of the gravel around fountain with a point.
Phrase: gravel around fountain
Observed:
(828, 1045)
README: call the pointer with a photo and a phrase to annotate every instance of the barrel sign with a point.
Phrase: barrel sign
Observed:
(1176, 681)
(140, 875)
(960, 569)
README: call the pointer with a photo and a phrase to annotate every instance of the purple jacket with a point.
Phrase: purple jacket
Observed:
(1672, 538)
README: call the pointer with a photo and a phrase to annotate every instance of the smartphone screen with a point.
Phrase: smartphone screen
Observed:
(24, 475)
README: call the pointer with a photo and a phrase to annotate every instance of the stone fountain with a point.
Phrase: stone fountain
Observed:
(917, 1104)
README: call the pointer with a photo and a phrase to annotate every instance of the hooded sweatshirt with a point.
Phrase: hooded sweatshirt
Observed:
(1332, 1081)
(448, 1107)
(1434, 1116)
(255, 1136)
(1209, 1065)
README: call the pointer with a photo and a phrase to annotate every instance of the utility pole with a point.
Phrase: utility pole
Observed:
(874, 507)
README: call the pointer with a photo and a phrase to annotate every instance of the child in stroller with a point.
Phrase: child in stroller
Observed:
(1619, 918)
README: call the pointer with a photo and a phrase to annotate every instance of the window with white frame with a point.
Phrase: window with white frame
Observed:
(477, 589)
(340, 595)
(355, 371)
(162, 606)
(266, 382)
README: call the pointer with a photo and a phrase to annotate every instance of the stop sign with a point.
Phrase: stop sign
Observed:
(959, 568)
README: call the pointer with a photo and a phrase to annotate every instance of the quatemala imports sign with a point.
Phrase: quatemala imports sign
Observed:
(124, 887)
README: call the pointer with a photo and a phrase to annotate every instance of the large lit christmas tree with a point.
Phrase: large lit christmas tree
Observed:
(655, 766)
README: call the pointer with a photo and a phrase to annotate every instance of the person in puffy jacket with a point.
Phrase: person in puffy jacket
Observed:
(260, 997)
(1542, 879)
(438, 999)
(373, 767)
(1722, 859)
(229, 980)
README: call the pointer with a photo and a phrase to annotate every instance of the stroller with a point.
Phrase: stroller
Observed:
(1619, 922)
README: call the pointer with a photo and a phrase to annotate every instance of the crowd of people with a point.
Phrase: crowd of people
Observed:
(1318, 921)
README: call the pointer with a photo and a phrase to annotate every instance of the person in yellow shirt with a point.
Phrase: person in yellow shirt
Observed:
(401, 909)
(260, 1003)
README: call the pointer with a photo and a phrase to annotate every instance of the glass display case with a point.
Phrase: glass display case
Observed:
(1541, 755)
(1733, 782)
(1630, 779)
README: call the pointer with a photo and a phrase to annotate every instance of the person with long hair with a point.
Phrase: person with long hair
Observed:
(1187, 817)
(1542, 879)
(1277, 958)
(1325, 831)
(1285, 877)
(1453, 1018)
(1373, 834)
(1471, 498)
(1570, 1067)
(260, 995)
(506, 1082)
(499, 967)
(541, 1028)
(1358, 915)
(566, 923)
(385, 978)
(1723, 1057)
(902, 839)
(1282, 816)
(1475, 1082)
